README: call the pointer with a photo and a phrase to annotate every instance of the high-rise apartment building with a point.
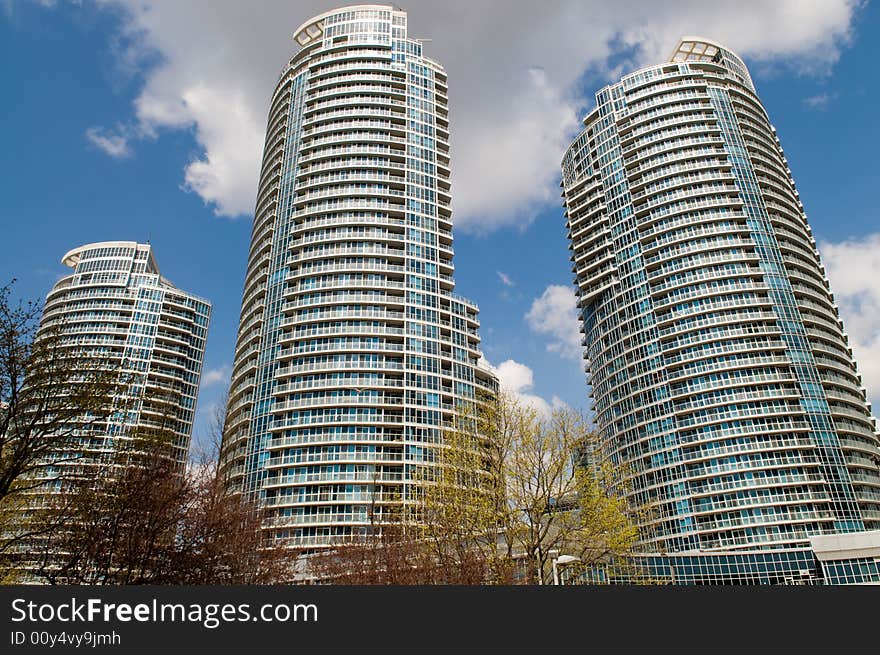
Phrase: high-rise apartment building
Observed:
(721, 375)
(353, 352)
(114, 313)
(116, 307)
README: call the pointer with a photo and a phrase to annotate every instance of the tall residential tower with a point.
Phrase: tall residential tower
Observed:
(353, 352)
(117, 307)
(720, 370)
(116, 321)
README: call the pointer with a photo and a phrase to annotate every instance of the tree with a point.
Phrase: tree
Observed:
(559, 498)
(391, 550)
(54, 397)
(116, 525)
(221, 539)
(142, 519)
(516, 485)
(461, 506)
(506, 489)
(445, 534)
(390, 554)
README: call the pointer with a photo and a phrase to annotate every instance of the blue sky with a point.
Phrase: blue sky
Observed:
(116, 126)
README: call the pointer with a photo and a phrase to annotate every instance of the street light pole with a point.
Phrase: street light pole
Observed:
(561, 559)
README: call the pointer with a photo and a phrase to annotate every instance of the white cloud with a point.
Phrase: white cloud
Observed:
(819, 101)
(223, 175)
(518, 380)
(554, 313)
(112, 143)
(514, 157)
(853, 267)
(515, 72)
(216, 376)
(505, 279)
(515, 377)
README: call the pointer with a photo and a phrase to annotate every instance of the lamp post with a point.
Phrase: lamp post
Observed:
(559, 560)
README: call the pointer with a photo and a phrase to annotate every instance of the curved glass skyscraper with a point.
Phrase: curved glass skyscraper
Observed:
(353, 352)
(721, 375)
(116, 312)
(116, 306)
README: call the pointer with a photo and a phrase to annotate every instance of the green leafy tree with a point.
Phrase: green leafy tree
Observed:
(559, 499)
(506, 490)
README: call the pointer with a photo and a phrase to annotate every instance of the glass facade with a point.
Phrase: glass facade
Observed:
(773, 567)
(861, 570)
(722, 380)
(843, 558)
(353, 352)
